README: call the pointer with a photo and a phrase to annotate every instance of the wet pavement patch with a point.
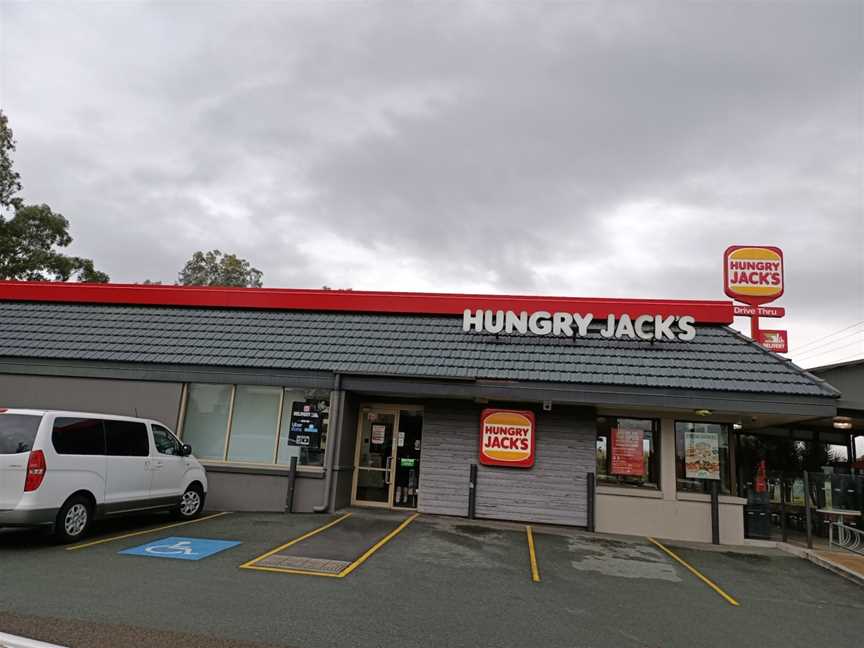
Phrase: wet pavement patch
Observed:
(468, 547)
(621, 559)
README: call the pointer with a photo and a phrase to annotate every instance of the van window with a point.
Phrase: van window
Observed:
(126, 439)
(18, 432)
(166, 443)
(78, 436)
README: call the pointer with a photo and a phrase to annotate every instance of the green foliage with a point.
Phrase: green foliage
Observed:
(28, 239)
(214, 268)
(10, 181)
(27, 242)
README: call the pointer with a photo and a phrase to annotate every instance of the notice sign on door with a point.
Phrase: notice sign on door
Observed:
(628, 456)
(507, 438)
(378, 434)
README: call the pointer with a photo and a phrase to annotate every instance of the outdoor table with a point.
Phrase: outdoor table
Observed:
(840, 513)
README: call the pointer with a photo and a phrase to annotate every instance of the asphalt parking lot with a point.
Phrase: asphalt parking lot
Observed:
(381, 579)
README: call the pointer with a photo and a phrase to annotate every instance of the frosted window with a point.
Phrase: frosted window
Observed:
(253, 429)
(207, 420)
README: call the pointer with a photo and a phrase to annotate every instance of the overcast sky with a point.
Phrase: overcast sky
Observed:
(578, 149)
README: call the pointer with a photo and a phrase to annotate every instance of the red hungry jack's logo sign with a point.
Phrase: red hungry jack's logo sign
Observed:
(507, 438)
(753, 274)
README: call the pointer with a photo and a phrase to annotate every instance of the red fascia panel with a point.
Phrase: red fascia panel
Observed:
(356, 301)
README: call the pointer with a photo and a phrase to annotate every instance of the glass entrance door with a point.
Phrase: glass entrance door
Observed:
(406, 467)
(373, 473)
(387, 466)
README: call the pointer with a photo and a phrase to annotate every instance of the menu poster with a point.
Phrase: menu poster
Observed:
(306, 424)
(702, 455)
(628, 456)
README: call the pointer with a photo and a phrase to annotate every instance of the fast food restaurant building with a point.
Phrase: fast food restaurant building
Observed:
(381, 397)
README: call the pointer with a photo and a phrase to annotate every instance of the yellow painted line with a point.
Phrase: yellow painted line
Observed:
(697, 573)
(377, 546)
(250, 564)
(535, 572)
(137, 533)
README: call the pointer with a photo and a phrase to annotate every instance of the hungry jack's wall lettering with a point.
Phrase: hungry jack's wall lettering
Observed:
(643, 327)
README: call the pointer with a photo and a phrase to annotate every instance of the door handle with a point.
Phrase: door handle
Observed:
(387, 468)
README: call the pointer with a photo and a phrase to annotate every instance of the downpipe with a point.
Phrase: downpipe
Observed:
(334, 427)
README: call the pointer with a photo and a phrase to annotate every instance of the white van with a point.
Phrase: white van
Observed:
(66, 468)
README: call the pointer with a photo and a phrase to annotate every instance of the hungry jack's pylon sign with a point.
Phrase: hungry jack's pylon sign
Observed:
(507, 438)
(753, 274)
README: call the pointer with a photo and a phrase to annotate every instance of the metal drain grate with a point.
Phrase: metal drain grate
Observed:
(305, 564)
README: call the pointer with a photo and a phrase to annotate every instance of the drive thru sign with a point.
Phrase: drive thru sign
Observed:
(753, 274)
(507, 438)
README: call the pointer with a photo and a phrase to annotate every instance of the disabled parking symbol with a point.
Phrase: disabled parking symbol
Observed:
(181, 548)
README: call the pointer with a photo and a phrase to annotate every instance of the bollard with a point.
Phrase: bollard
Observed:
(472, 490)
(292, 477)
(807, 513)
(589, 513)
(783, 510)
(715, 512)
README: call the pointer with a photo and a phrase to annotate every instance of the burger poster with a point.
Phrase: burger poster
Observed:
(702, 455)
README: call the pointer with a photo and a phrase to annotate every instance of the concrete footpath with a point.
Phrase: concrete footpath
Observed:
(843, 563)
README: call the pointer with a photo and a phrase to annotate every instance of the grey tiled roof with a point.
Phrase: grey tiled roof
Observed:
(397, 345)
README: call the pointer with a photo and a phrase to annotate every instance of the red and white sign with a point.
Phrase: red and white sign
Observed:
(507, 438)
(753, 274)
(628, 454)
(761, 311)
(773, 340)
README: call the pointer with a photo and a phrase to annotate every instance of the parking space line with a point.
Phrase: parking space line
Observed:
(535, 572)
(250, 564)
(697, 573)
(377, 546)
(145, 531)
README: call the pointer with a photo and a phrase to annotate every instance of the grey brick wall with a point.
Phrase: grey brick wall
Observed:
(553, 491)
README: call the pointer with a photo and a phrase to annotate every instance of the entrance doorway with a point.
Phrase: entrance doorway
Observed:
(387, 460)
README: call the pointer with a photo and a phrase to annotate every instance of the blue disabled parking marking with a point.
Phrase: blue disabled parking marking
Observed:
(181, 548)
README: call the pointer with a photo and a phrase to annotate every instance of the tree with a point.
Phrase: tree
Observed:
(10, 181)
(27, 242)
(29, 237)
(214, 268)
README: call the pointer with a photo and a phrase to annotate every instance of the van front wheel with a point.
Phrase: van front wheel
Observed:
(73, 519)
(191, 504)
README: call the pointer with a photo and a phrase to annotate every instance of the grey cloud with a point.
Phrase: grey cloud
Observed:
(526, 148)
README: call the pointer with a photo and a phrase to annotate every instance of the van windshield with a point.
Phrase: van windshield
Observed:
(18, 432)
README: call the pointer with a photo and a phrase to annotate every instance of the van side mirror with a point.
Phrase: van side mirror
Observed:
(185, 450)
